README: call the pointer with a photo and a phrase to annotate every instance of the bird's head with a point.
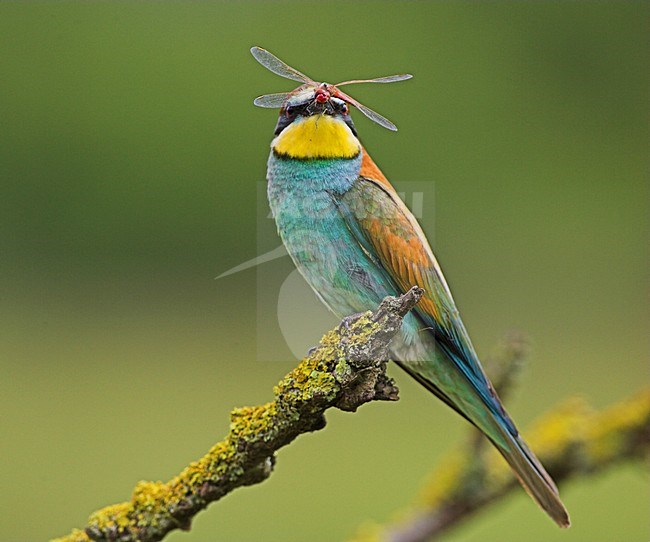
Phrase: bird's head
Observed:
(308, 101)
(314, 119)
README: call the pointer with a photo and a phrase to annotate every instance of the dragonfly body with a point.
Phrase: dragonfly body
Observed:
(355, 242)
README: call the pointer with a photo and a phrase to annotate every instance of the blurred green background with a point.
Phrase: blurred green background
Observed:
(130, 158)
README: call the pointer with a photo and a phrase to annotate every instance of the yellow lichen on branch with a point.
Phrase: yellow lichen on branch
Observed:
(346, 370)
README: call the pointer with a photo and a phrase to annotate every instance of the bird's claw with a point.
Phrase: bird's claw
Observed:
(347, 322)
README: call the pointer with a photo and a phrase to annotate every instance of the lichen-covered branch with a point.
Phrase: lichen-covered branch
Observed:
(571, 440)
(346, 370)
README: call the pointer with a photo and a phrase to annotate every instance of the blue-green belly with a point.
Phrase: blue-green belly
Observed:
(317, 237)
(324, 250)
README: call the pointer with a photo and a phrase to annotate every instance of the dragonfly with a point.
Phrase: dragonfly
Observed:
(323, 91)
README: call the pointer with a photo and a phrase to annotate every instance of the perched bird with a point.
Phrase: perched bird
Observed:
(355, 242)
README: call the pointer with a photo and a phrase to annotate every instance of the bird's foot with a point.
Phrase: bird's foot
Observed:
(347, 322)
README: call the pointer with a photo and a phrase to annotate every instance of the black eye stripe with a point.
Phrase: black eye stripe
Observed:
(293, 110)
(334, 106)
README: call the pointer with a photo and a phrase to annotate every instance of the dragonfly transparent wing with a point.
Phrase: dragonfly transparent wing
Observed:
(387, 79)
(372, 115)
(272, 100)
(275, 65)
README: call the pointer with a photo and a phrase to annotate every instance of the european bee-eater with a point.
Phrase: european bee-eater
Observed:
(355, 242)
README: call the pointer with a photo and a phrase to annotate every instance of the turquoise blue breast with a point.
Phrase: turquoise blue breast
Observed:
(324, 249)
(316, 236)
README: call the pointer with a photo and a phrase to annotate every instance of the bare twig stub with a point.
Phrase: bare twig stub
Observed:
(346, 370)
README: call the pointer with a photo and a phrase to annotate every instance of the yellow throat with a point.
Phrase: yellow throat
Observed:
(318, 136)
